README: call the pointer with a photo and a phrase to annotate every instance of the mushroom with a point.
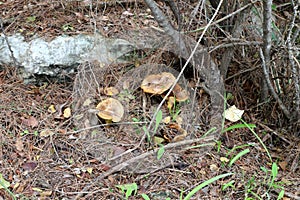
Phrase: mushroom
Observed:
(180, 94)
(111, 91)
(111, 110)
(158, 83)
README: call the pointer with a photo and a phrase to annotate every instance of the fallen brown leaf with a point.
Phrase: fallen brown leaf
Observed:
(19, 144)
(29, 166)
(30, 122)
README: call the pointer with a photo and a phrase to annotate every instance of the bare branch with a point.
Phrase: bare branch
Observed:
(265, 52)
(295, 72)
(267, 79)
(226, 17)
(167, 27)
(236, 32)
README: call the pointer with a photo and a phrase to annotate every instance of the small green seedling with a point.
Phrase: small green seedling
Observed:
(128, 189)
(158, 120)
(67, 27)
(26, 132)
(31, 19)
(138, 131)
(227, 185)
(175, 110)
(160, 152)
(145, 196)
(147, 133)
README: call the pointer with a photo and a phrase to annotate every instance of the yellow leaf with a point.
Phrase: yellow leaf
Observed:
(46, 193)
(37, 189)
(213, 167)
(101, 65)
(89, 170)
(46, 133)
(16, 186)
(233, 114)
(19, 145)
(158, 140)
(179, 120)
(224, 159)
(171, 102)
(87, 102)
(67, 113)
(51, 109)
(167, 120)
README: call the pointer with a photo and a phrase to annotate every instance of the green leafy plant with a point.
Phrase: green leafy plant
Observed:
(175, 110)
(26, 132)
(147, 133)
(128, 189)
(4, 185)
(227, 185)
(250, 186)
(218, 143)
(138, 131)
(272, 174)
(67, 27)
(31, 19)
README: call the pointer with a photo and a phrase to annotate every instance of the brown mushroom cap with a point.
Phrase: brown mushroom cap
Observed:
(158, 83)
(110, 109)
(180, 94)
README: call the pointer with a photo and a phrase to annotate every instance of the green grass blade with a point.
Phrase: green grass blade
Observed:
(202, 185)
(145, 197)
(158, 119)
(235, 158)
(258, 138)
(236, 126)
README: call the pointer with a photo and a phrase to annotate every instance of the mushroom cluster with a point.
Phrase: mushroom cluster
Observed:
(160, 83)
(112, 110)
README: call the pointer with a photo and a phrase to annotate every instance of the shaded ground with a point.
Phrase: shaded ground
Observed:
(41, 165)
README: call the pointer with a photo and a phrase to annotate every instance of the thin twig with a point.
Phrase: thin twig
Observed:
(103, 125)
(142, 156)
(242, 72)
(224, 18)
(236, 32)
(233, 44)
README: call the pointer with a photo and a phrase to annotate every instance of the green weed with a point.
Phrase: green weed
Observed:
(4, 185)
(128, 189)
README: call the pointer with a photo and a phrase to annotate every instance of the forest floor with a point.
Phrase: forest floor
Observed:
(41, 160)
